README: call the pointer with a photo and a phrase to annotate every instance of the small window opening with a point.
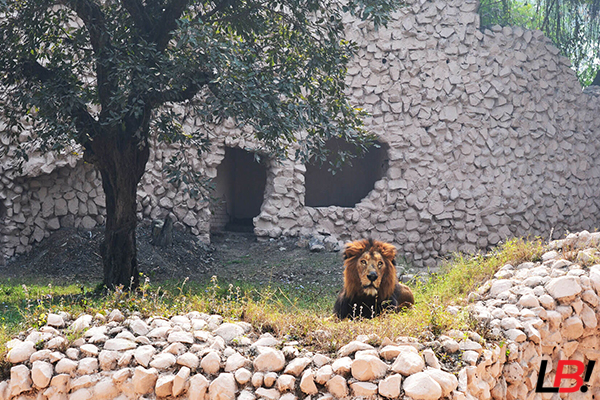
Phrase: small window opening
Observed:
(349, 185)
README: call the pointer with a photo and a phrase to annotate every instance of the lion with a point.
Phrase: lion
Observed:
(370, 282)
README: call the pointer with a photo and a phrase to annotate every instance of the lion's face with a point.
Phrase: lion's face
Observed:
(369, 268)
(370, 271)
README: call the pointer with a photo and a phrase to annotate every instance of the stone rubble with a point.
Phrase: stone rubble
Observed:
(552, 318)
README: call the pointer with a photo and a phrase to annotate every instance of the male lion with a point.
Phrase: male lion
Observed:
(370, 282)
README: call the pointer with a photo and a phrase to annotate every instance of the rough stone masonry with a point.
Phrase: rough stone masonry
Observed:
(488, 135)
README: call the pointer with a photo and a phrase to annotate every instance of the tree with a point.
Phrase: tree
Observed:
(573, 26)
(106, 74)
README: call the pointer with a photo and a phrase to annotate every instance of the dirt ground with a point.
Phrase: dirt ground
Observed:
(72, 256)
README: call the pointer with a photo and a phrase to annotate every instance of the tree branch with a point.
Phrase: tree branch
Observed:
(161, 35)
(138, 13)
(95, 21)
(155, 98)
(85, 123)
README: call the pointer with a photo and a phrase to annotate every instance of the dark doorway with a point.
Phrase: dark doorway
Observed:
(239, 191)
(346, 186)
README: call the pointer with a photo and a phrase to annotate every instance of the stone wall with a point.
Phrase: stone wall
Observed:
(534, 311)
(489, 135)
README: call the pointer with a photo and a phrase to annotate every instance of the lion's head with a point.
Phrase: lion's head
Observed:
(370, 269)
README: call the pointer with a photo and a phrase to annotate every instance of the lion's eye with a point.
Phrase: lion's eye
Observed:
(363, 262)
(380, 264)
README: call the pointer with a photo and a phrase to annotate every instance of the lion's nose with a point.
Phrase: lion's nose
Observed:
(372, 276)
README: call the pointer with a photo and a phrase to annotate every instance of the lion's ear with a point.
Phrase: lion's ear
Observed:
(388, 251)
(354, 249)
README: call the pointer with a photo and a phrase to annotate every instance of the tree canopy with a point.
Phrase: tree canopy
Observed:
(106, 74)
(573, 26)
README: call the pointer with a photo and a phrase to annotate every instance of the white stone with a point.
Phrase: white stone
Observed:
(342, 366)
(319, 360)
(364, 389)
(390, 386)
(563, 288)
(368, 368)
(236, 361)
(269, 359)
(139, 327)
(189, 360)
(55, 320)
(223, 387)
(408, 363)
(115, 315)
(81, 394)
(450, 346)
(285, 383)
(229, 331)
(513, 372)
(105, 389)
(198, 387)
(181, 337)
(324, 374)
(211, 363)
(258, 379)
(528, 300)
(119, 344)
(337, 386)
(108, 359)
(144, 380)
(20, 380)
(353, 347)
(296, 366)
(41, 373)
(242, 376)
(431, 359)
(447, 381)
(269, 379)
(572, 328)
(65, 366)
(121, 375)
(143, 354)
(163, 361)
(516, 335)
(164, 385)
(267, 394)
(422, 386)
(307, 383)
(390, 352)
(181, 382)
(588, 317)
(87, 366)
(246, 395)
(20, 352)
(500, 286)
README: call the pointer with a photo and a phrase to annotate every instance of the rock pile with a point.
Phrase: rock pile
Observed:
(197, 356)
(546, 310)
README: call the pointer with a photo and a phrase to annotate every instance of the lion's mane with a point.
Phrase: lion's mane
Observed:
(353, 301)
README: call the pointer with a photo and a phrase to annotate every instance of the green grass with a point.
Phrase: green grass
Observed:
(296, 312)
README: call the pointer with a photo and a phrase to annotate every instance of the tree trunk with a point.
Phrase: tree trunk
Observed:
(121, 162)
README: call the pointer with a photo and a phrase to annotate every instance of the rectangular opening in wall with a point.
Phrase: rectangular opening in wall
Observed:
(239, 191)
